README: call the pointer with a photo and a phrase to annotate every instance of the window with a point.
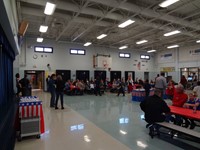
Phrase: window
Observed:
(145, 57)
(41, 49)
(77, 51)
(124, 55)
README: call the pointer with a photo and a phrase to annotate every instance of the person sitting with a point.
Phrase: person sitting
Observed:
(197, 89)
(154, 108)
(170, 90)
(192, 103)
(179, 99)
(67, 87)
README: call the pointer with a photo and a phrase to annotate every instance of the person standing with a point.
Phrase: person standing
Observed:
(47, 82)
(60, 85)
(121, 88)
(97, 87)
(147, 87)
(18, 85)
(25, 85)
(161, 83)
(183, 81)
(52, 89)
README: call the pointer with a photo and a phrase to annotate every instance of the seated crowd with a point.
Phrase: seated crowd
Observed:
(156, 110)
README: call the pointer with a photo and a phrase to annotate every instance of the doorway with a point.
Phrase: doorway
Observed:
(115, 75)
(66, 74)
(101, 74)
(146, 76)
(83, 75)
(129, 73)
(36, 78)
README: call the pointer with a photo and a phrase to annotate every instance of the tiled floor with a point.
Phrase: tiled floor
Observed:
(98, 123)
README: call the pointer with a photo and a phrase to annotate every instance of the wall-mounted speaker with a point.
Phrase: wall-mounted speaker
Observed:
(23, 27)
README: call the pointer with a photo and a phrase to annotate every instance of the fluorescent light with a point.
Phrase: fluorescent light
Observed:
(43, 29)
(123, 47)
(167, 3)
(173, 46)
(141, 42)
(172, 33)
(151, 51)
(198, 41)
(49, 8)
(87, 44)
(39, 39)
(126, 23)
(101, 36)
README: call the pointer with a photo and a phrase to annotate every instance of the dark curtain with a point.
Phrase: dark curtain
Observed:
(7, 103)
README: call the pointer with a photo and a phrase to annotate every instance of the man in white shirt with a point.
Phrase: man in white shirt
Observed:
(161, 83)
(197, 89)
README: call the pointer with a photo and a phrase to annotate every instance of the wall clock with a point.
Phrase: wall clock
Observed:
(35, 56)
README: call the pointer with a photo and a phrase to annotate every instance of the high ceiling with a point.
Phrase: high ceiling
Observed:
(80, 21)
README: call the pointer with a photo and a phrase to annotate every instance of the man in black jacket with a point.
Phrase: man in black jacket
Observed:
(154, 108)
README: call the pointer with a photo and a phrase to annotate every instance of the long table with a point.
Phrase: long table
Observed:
(185, 112)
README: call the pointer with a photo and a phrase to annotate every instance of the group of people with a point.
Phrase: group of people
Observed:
(156, 109)
(56, 87)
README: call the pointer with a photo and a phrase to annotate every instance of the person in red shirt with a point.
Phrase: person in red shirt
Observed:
(180, 97)
(170, 90)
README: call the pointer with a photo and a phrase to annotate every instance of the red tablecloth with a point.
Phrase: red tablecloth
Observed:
(188, 113)
(32, 109)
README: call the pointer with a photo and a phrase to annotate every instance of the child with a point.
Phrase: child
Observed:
(192, 103)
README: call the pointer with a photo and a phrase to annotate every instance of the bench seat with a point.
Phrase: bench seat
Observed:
(179, 129)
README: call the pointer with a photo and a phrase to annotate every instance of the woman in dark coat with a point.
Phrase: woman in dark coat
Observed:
(52, 89)
(60, 85)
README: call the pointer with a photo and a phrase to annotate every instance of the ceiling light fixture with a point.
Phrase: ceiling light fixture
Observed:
(87, 44)
(151, 51)
(126, 23)
(198, 41)
(167, 3)
(39, 39)
(123, 47)
(43, 29)
(49, 8)
(101, 36)
(172, 33)
(141, 42)
(172, 46)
